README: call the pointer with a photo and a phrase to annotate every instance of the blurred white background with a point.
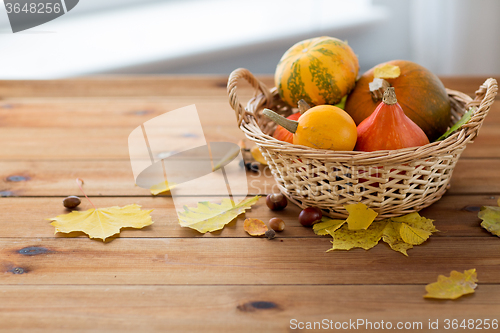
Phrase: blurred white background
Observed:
(450, 37)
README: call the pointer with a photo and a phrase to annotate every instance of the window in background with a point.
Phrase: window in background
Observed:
(450, 37)
(195, 36)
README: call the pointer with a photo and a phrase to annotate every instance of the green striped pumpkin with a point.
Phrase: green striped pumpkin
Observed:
(320, 70)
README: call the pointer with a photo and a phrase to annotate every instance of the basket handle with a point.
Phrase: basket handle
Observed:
(485, 96)
(243, 73)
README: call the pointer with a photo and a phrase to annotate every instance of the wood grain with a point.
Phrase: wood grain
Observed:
(230, 308)
(98, 143)
(124, 86)
(108, 112)
(455, 216)
(218, 261)
(168, 278)
(125, 112)
(115, 178)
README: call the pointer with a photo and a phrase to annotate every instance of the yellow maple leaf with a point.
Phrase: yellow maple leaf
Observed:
(208, 216)
(327, 225)
(491, 219)
(345, 239)
(401, 233)
(161, 188)
(254, 227)
(387, 71)
(458, 284)
(103, 222)
(360, 216)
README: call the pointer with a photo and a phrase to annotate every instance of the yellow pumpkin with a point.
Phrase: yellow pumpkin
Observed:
(321, 127)
(320, 70)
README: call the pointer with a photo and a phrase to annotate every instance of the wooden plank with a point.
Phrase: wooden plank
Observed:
(112, 143)
(455, 216)
(126, 86)
(108, 113)
(125, 112)
(116, 86)
(466, 84)
(143, 86)
(115, 178)
(475, 176)
(86, 143)
(99, 128)
(232, 308)
(209, 261)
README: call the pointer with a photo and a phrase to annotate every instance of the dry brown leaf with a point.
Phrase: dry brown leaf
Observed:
(255, 227)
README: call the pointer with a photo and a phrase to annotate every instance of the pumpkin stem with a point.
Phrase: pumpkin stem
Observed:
(377, 88)
(390, 96)
(289, 125)
(303, 106)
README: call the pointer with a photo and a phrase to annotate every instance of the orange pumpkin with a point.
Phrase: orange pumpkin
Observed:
(389, 128)
(284, 135)
(421, 94)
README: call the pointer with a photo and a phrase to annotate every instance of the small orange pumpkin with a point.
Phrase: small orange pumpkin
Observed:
(422, 96)
(389, 128)
(284, 135)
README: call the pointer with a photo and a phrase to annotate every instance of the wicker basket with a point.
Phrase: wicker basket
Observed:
(393, 183)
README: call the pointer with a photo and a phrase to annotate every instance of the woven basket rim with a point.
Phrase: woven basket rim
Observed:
(485, 96)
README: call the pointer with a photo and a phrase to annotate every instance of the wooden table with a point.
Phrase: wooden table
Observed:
(168, 278)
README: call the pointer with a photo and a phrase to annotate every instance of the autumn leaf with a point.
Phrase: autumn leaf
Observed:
(416, 221)
(413, 236)
(161, 188)
(387, 71)
(208, 216)
(326, 226)
(401, 233)
(491, 219)
(360, 216)
(254, 227)
(464, 120)
(458, 284)
(392, 236)
(257, 155)
(346, 239)
(103, 222)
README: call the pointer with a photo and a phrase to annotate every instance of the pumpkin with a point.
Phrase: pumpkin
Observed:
(320, 70)
(388, 128)
(421, 94)
(321, 127)
(282, 134)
